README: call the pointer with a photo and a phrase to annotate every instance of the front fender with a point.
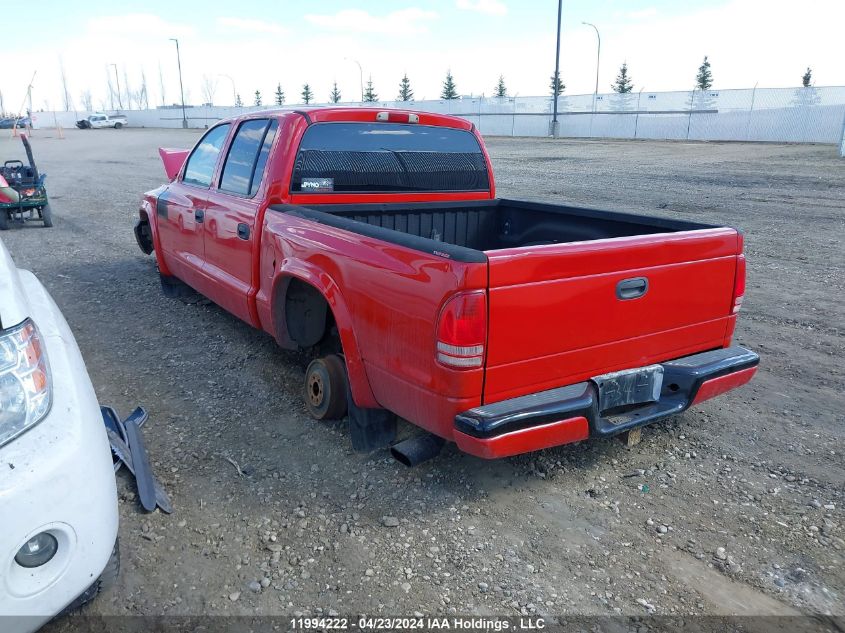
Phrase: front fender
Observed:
(290, 269)
(147, 213)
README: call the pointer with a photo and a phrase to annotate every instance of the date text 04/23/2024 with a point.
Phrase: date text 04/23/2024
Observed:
(368, 623)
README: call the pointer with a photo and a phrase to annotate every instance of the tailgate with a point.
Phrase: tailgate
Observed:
(563, 313)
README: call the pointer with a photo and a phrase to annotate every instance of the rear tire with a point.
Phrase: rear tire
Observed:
(106, 580)
(117, 126)
(325, 388)
(47, 216)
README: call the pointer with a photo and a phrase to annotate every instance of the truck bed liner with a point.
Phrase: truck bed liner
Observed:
(486, 225)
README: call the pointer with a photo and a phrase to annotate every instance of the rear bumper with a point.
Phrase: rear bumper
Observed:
(569, 414)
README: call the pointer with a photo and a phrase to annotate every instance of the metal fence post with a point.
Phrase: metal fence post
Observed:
(691, 106)
(748, 122)
(637, 117)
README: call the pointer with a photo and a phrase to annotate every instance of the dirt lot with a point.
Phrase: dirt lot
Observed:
(732, 508)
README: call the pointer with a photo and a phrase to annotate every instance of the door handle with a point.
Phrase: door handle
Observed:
(243, 231)
(199, 215)
(632, 288)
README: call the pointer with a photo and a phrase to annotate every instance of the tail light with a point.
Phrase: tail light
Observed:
(462, 331)
(739, 283)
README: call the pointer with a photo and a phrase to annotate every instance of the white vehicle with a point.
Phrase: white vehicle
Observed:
(98, 120)
(58, 498)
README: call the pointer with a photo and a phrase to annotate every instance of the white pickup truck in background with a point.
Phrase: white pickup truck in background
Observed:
(98, 120)
(58, 498)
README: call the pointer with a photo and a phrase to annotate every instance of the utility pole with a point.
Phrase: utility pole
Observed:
(181, 90)
(117, 80)
(555, 123)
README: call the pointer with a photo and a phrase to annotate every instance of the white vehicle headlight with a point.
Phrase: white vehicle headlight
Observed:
(25, 385)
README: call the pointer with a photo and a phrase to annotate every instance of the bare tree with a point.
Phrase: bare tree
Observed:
(2, 107)
(130, 94)
(143, 95)
(209, 87)
(66, 99)
(161, 85)
(87, 102)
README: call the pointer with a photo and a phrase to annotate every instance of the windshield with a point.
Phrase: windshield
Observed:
(384, 157)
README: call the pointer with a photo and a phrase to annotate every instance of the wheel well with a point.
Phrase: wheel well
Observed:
(143, 233)
(308, 317)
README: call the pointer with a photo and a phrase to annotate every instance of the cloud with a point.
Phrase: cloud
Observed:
(639, 14)
(256, 26)
(490, 7)
(133, 24)
(403, 22)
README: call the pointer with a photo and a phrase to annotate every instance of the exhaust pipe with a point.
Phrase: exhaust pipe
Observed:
(416, 450)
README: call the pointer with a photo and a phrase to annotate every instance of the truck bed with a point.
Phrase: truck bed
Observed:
(486, 225)
(559, 311)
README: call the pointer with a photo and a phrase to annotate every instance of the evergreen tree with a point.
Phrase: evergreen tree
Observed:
(307, 95)
(623, 83)
(405, 91)
(334, 97)
(369, 93)
(258, 97)
(280, 95)
(238, 102)
(704, 78)
(807, 78)
(556, 86)
(449, 90)
(500, 90)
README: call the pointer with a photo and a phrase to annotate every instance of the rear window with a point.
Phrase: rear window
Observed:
(385, 157)
(244, 166)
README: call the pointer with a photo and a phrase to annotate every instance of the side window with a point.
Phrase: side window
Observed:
(261, 163)
(247, 157)
(201, 163)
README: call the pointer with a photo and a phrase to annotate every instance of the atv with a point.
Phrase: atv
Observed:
(24, 196)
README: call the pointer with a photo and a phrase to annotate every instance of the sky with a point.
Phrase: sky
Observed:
(239, 47)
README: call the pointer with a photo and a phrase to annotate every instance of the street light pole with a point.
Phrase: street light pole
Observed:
(181, 90)
(119, 102)
(360, 75)
(598, 61)
(234, 92)
(555, 82)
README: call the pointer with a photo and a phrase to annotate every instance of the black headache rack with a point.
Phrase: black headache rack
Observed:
(682, 379)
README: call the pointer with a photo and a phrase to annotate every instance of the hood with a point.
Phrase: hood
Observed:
(173, 160)
(13, 306)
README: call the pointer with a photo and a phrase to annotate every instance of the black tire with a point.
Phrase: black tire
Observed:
(4, 220)
(107, 579)
(325, 388)
(47, 216)
(118, 125)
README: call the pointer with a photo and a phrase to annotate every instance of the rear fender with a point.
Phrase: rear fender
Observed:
(359, 384)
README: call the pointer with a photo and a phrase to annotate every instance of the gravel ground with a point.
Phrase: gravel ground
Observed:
(735, 507)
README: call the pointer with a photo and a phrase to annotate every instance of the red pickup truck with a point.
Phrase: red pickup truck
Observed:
(374, 239)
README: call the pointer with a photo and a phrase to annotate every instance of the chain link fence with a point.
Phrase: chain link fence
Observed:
(794, 115)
